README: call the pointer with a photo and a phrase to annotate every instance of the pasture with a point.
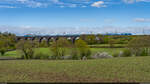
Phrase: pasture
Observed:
(16, 54)
(123, 69)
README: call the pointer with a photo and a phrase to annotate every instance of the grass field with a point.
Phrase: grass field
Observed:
(108, 45)
(129, 69)
(47, 51)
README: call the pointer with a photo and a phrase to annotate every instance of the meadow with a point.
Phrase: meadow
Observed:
(120, 69)
(123, 69)
(16, 53)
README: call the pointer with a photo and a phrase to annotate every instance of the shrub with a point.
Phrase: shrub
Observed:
(144, 52)
(3, 51)
(74, 54)
(28, 54)
(41, 55)
(137, 45)
(102, 55)
(43, 44)
(26, 48)
(59, 48)
(126, 53)
(88, 54)
(66, 57)
(117, 54)
(83, 49)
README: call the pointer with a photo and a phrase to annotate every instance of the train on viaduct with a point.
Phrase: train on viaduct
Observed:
(72, 38)
(49, 38)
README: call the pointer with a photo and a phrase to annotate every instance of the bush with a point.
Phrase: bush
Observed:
(28, 54)
(144, 52)
(102, 55)
(66, 57)
(43, 44)
(83, 49)
(41, 56)
(126, 53)
(59, 48)
(116, 54)
(26, 48)
(74, 54)
(88, 54)
(3, 51)
(138, 44)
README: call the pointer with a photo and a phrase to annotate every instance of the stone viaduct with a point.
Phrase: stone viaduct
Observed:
(39, 39)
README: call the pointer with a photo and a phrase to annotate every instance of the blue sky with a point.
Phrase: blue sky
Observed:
(74, 16)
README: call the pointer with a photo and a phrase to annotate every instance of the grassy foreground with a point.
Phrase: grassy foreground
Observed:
(133, 69)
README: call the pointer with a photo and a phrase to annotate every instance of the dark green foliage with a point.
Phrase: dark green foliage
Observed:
(126, 53)
(88, 54)
(83, 49)
(140, 45)
(59, 48)
(145, 52)
(26, 48)
(74, 54)
(7, 40)
(3, 51)
(43, 44)
(41, 55)
(116, 54)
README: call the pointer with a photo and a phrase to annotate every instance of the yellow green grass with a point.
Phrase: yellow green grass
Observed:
(16, 54)
(123, 69)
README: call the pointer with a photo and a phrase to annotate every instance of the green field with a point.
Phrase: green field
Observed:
(121, 69)
(108, 45)
(124, 69)
(16, 54)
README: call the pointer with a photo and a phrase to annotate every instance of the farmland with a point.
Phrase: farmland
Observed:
(86, 60)
(124, 69)
(16, 53)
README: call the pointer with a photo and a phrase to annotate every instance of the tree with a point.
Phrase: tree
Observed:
(83, 49)
(43, 44)
(59, 48)
(3, 47)
(111, 43)
(8, 40)
(90, 39)
(100, 38)
(26, 48)
(105, 39)
(139, 44)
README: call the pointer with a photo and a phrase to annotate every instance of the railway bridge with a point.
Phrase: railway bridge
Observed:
(48, 39)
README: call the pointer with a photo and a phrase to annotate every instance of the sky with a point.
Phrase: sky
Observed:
(74, 16)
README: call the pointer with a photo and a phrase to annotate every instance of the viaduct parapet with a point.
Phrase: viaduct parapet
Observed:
(48, 38)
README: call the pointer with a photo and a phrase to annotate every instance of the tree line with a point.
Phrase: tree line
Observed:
(137, 45)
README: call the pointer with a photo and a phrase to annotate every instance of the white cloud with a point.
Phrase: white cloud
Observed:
(73, 5)
(22, 1)
(23, 30)
(133, 1)
(62, 6)
(83, 6)
(5, 6)
(55, 1)
(98, 4)
(129, 1)
(142, 20)
(142, 0)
